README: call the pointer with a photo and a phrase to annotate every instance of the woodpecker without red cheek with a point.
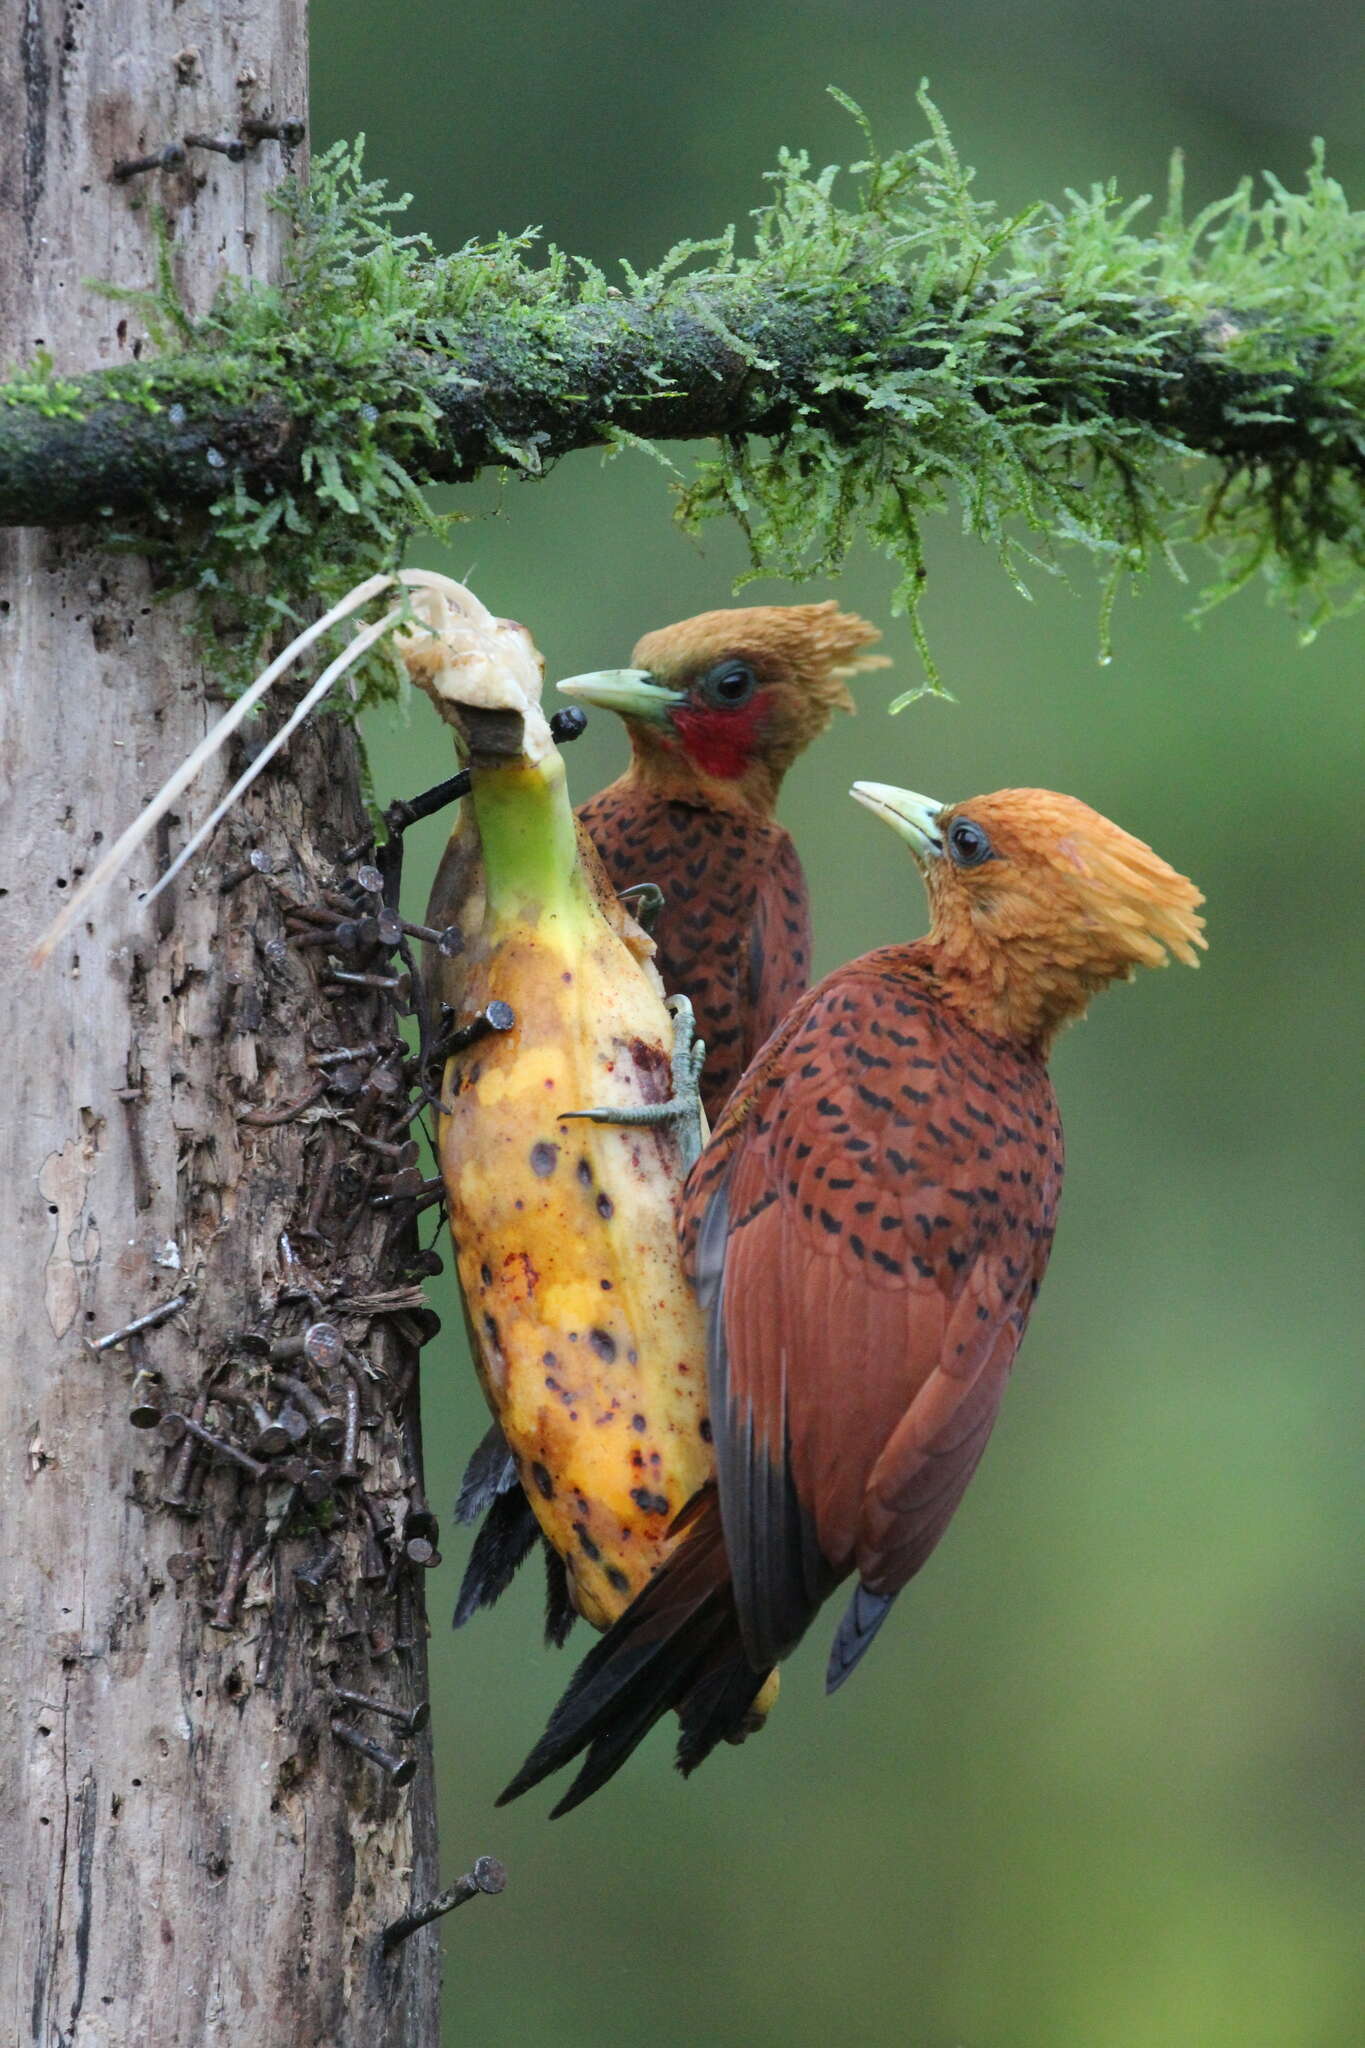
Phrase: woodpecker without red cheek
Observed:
(717, 708)
(867, 1231)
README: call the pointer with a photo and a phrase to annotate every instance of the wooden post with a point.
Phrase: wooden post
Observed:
(188, 1853)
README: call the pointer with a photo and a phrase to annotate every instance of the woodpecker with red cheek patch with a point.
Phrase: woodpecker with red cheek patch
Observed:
(867, 1231)
(717, 708)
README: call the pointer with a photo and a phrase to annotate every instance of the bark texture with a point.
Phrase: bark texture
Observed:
(187, 1852)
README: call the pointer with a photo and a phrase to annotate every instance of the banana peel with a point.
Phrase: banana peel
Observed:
(587, 1338)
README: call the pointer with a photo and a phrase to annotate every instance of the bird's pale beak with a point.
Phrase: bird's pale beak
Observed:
(914, 817)
(630, 692)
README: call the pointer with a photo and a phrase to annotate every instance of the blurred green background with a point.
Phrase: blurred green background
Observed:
(1093, 1789)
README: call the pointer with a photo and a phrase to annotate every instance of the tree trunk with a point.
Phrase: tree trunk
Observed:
(189, 1852)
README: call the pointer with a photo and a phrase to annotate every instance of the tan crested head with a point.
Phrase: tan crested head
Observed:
(726, 701)
(1039, 902)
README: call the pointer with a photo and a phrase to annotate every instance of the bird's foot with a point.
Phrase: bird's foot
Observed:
(683, 1107)
(644, 900)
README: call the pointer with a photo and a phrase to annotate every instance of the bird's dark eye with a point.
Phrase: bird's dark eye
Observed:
(968, 844)
(729, 685)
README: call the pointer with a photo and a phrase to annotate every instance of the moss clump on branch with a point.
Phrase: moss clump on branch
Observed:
(1058, 377)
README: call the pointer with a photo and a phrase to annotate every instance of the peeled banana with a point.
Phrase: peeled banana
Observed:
(587, 1339)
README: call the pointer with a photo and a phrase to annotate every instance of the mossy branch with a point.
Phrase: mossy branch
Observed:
(723, 362)
(1061, 377)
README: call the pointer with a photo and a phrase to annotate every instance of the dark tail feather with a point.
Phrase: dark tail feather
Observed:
(716, 1710)
(862, 1618)
(491, 1471)
(676, 1645)
(634, 1716)
(508, 1533)
(560, 1612)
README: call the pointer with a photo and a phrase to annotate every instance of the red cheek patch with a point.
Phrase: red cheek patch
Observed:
(721, 743)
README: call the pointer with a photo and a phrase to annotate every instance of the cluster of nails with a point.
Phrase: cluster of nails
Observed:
(174, 156)
(291, 1414)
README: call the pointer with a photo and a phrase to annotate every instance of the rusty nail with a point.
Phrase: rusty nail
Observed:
(233, 1573)
(294, 1422)
(194, 1491)
(387, 981)
(424, 1265)
(173, 1426)
(149, 1399)
(290, 133)
(260, 1119)
(380, 1083)
(171, 158)
(273, 1437)
(567, 724)
(321, 1344)
(418, 1325)
(400, 815)
(175, 1493)
(322, 1187)
(367, 1392)
(405, 1615)
(367, 933)
(496, 1017)
(344, 1054)
(351, 1441)
(399, 1770)
(258, 863)
(313, 913)
(156, 1315)
(487, 1875)
(402, 1151)
(419, 1550)
(326, 1428)
(225, 145)
(421, 1193)
(412, 1720)
(419, 1520)
(316, 1484)
(448, 941)
(280, 1348)
(310, 1578)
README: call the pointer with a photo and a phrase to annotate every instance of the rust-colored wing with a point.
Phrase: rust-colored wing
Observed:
(734, 931)
(867, 1233)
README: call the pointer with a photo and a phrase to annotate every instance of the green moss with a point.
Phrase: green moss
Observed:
(1021, 336)
(1058, 380)
(38, 385)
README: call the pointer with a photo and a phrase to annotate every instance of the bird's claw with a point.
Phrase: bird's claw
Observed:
(644, 900)
(683, 1107)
